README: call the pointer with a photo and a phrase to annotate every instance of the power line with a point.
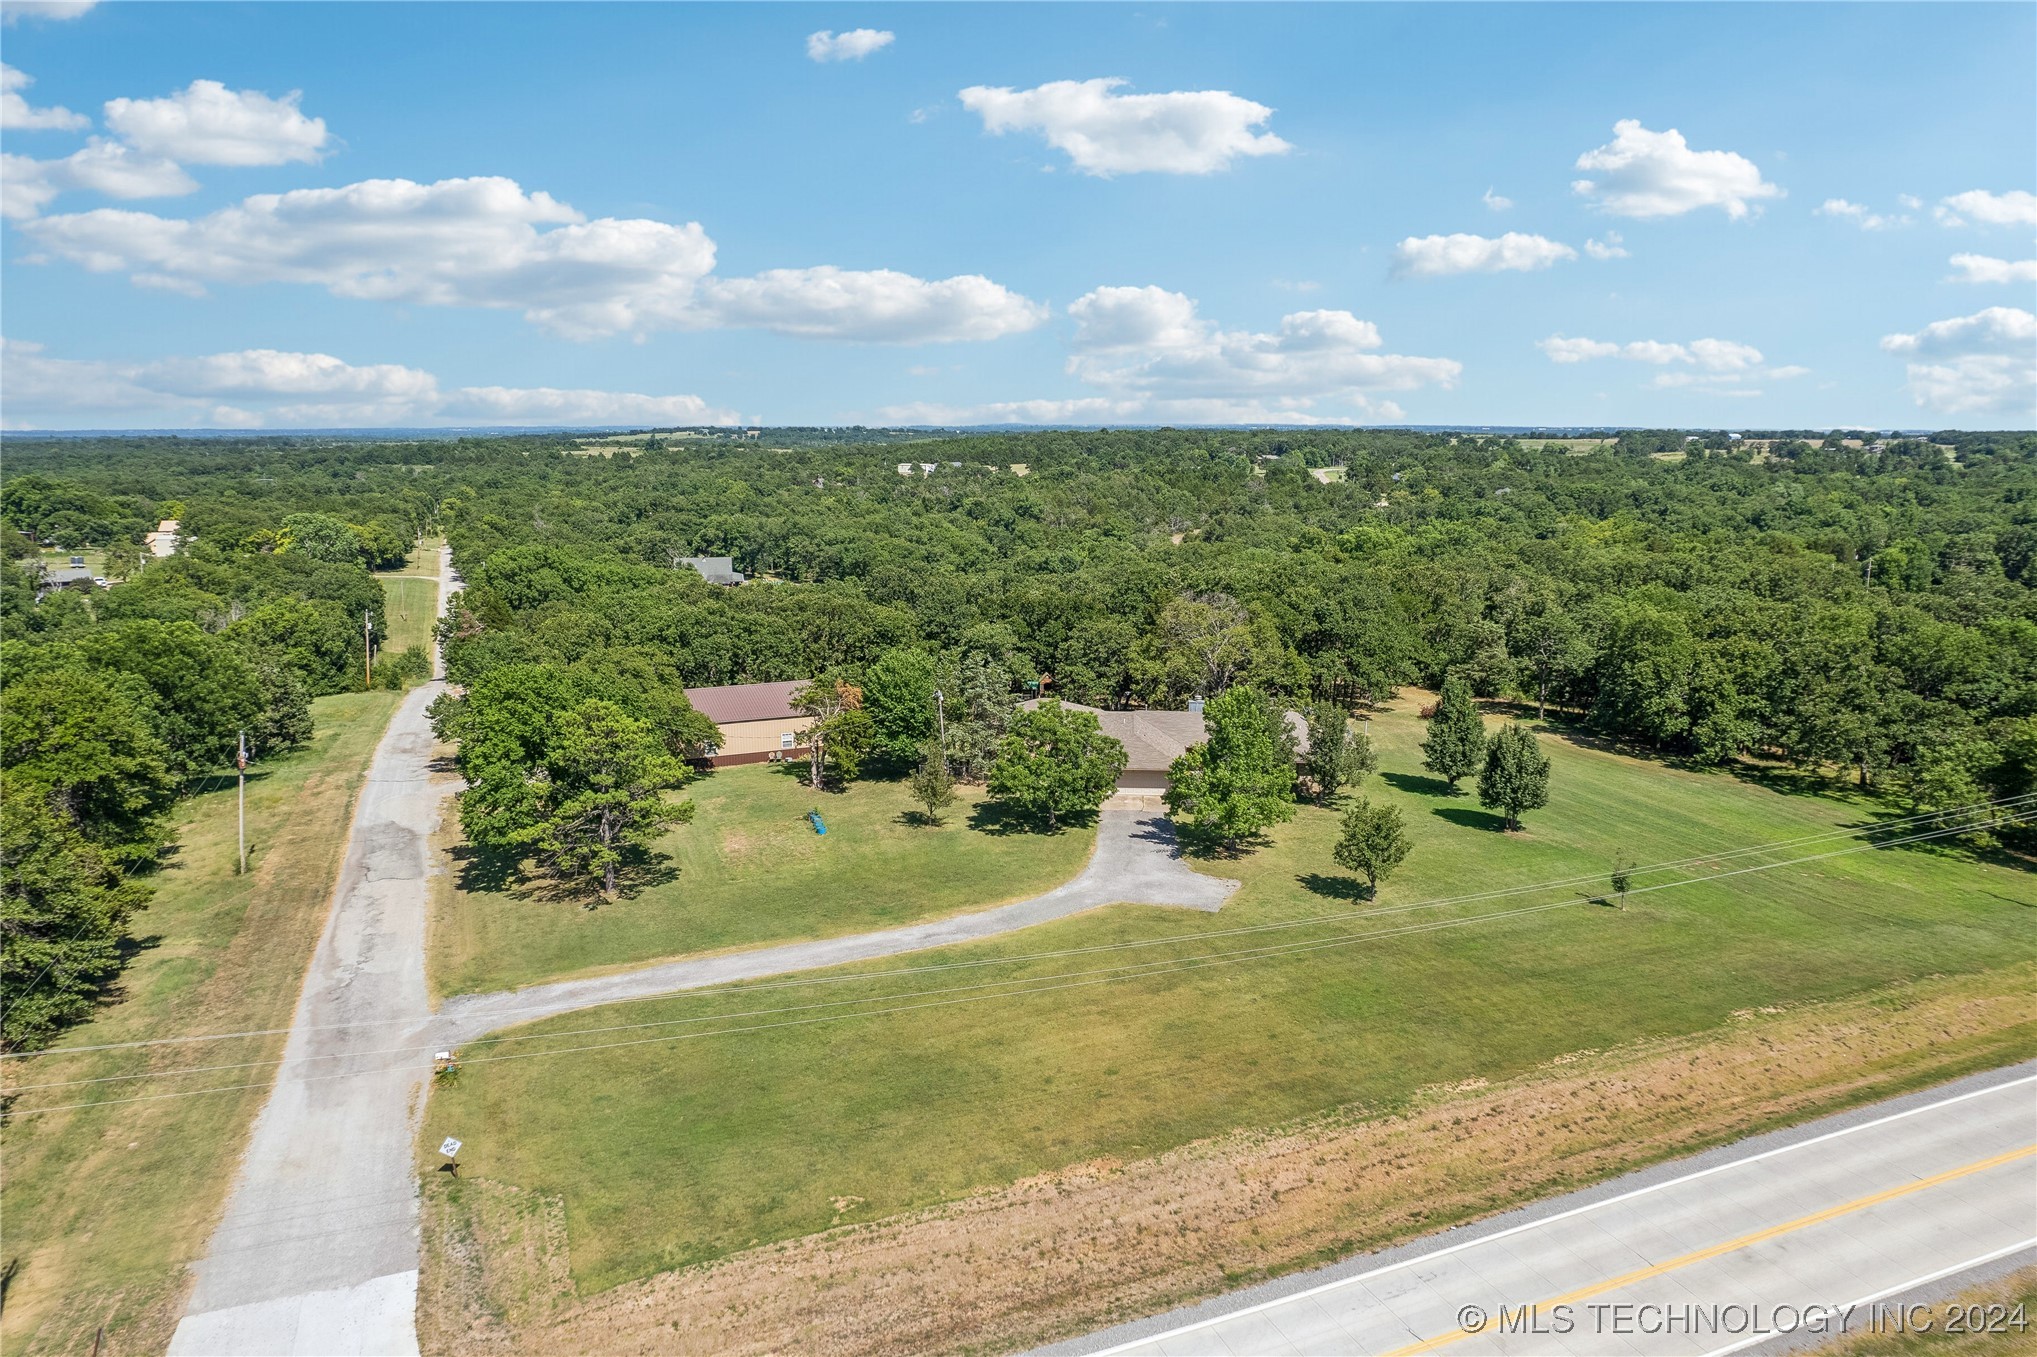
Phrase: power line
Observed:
(1131, 971)
(1973, 808)
(1029, 987)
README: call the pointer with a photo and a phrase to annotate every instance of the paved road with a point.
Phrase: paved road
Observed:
(1136, 862)
(317, 1252)
(1891, 1202)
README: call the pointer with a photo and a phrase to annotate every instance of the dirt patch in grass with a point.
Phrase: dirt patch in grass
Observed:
(1102, 1242)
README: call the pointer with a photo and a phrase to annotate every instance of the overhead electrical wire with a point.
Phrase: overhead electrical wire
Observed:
(793, 981)
(1016, 988)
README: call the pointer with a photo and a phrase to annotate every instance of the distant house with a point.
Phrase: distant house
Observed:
(1154, 739)
(53, 578)
(715, 569)
(164, 540)
(758, 721)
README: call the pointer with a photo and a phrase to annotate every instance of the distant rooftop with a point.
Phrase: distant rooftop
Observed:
(715, 569)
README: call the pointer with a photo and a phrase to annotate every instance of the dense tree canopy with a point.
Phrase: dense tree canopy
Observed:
(1840, 602)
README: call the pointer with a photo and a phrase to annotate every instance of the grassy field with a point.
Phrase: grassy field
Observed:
(750, 870)
(57, 558)
(412, 597)
(106, 1206)
(1079, 1249)
(776, 1123)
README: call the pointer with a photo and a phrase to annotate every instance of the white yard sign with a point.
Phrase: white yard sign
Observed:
(450, 1148)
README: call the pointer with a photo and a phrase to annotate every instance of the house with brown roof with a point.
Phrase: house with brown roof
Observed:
(758, 722)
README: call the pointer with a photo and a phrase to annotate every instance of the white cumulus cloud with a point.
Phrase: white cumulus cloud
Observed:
(1609, 248)
(486, 242)
(1981, 268)
(1441, 256)
(877, 305)
(1991, 328)
(18, 115)
(1149, 357)
(1720, 367)
(1859, 213)
(1640, 173)
(209, 124)
(1710, 355)
(1977, 384)
(1981, 364)
(2017, 207)
(1106, 133)
(13, 12)
(553, 405)
(108, 167)
(853, 45)
(270, 388)
(1497, 202)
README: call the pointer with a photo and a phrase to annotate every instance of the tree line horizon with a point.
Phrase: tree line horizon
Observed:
(1864, 612)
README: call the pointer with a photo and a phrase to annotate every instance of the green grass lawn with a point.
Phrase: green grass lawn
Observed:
(56, 558)
(749, 870)
(668, 1152)
(106, 1206)
(412, 599)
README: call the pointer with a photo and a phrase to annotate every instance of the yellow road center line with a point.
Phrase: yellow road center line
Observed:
(1744, 1241)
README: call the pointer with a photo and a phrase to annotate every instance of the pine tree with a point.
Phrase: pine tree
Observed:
(1456, 739)
(1516, 776)
(1374, 841)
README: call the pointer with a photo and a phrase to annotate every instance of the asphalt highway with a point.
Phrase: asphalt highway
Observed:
(1777, 1243)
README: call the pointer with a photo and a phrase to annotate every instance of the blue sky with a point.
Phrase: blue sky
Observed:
(320, 215)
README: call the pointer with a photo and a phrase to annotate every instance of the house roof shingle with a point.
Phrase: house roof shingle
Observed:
(1152, 739)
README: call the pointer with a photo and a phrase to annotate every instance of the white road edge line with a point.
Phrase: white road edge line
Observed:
(1561, 1215)
(1895, 1290)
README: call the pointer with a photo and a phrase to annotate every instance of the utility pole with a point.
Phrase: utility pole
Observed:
(240, 763)
(941, 719)
(368, 646)
(1867, 573)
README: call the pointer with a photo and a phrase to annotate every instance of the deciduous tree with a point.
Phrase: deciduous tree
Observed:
(1338, 755)
(898, 694)
(1374, 841)
(605, 772)
(839, 732)
(933, 786)
(1054, 763)
(1516, 776)
(1240, 781)
(1456, 739)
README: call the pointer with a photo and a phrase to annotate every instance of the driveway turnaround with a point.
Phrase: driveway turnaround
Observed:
(1772, 1244)
(1136, 862)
